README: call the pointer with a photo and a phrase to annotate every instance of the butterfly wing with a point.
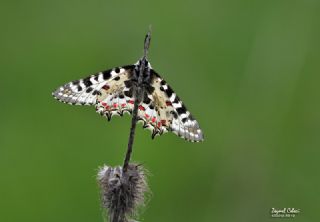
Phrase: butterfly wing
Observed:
(86, 91)
(163, 111)
(111, 92)
(116, 97)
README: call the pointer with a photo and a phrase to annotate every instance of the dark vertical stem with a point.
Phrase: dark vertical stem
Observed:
(131, 135)
(138, 93)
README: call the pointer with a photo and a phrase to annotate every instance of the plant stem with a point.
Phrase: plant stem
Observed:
(131, 135)
(138, 94)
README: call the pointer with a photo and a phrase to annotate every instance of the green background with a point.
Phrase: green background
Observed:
(247, 70)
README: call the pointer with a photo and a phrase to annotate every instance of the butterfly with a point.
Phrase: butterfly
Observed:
(113, 92)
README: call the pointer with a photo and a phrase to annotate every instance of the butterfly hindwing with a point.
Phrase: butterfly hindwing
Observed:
(115, 98)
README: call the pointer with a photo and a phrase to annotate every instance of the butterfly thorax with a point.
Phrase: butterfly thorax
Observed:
(141, 80)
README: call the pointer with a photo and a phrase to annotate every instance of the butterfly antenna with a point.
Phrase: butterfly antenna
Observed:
(147, 42)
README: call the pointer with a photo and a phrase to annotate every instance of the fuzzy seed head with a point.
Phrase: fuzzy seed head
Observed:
(122, 192)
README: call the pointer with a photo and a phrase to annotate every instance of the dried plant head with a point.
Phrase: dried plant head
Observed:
(122, 192)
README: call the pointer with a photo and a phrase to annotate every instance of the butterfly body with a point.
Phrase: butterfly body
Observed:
(115, 92)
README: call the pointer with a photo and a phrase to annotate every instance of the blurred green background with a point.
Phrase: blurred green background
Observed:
(247, 70)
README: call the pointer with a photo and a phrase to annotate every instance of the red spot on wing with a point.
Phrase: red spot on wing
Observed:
(153, 119)
(168, 103)
(105, 87)
(163, 122)
(105, 105)
(159, 124)
(131, 101)
(115, 105)
(142, 108)
(146, 115)
(123, 105)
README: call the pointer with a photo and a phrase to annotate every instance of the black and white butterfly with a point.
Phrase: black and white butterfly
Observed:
(113, 92)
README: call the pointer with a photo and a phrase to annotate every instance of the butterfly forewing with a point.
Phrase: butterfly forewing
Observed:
(161, 110)
(85, 91)
(171, 114)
